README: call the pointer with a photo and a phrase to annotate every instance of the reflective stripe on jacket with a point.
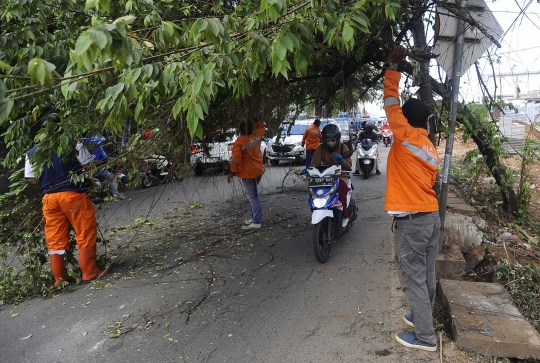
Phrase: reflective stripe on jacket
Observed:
(312, 137)
(247, 158)
(413, 161)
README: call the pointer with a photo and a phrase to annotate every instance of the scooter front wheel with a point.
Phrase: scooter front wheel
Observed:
(146, 181)
(322, 240)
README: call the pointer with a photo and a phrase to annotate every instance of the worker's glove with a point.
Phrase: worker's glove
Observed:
(338, 158)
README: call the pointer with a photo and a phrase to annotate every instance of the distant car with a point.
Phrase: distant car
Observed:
(348, 136)
(219, 154)
(287, 144)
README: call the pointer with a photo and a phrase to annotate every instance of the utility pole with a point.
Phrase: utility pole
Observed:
(456, 77)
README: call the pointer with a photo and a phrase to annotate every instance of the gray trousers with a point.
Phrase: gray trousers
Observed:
(417, 244)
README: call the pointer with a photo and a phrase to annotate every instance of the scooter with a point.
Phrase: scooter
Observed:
(327, 210)
(387, 137)
(366, 156)
(151, 170)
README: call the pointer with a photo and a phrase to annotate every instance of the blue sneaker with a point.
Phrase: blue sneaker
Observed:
(303, 172)
(410, 340)
(407, 318)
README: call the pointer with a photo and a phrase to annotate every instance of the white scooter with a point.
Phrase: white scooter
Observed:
(367, 156)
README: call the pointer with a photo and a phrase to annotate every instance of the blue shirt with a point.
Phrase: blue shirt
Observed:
(56, 176)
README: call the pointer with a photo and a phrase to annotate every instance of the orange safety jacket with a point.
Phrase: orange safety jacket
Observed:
(247, 158)
(312, 137)
(413, 161)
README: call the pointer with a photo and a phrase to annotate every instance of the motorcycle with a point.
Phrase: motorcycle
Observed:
(154, 170)
(387, 137)
(327, 210)
(366, 156)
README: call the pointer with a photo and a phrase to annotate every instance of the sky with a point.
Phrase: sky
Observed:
(519, 53)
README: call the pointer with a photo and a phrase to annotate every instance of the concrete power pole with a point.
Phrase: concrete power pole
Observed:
(456, 77)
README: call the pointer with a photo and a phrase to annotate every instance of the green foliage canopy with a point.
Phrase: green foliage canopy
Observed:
(68, 68)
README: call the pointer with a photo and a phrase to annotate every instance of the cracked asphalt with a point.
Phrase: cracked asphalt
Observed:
(188, 285)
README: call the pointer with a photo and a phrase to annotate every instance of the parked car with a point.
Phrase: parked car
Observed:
(286, 145)
(219, 151)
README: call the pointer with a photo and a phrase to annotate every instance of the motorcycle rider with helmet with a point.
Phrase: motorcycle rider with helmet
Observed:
(369, 131)
(329, 153)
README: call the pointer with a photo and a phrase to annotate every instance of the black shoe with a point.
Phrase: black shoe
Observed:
(356, 172)
(378, 172)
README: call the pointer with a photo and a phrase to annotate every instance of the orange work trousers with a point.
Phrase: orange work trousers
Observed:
(62, 208)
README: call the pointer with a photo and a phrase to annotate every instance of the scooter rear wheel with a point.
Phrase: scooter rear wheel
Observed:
(322, 240)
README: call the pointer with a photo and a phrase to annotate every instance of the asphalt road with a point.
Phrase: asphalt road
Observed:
(190, 286)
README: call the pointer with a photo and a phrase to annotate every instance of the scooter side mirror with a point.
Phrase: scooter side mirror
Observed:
(347, 154)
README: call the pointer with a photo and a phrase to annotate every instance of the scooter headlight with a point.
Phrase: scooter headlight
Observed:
(321, 193)
(320, 202)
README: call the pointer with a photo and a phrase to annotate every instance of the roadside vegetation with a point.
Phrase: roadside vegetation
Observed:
(518, 269)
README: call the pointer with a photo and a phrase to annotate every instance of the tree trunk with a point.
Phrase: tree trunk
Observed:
(483, 140)
(425, 89)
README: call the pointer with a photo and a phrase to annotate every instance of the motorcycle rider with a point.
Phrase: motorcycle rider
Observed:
(329, 153)
(311, 139)
(369, 131)
(386, 127)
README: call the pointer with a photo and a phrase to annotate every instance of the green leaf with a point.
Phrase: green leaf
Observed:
(4, 65)
(83, 43)
(214, 26)
(199, 111)
(192, 121)
(127, 19)
(168, 28)
(38, 72)
(202, 24)
(91, 4)
(5, 108)
(389, 10)
(279, 50)
(115, 91)
(177, 109)
(287, 42)
(198, 83)
(98, 37)
(199, 131)
(138, 110)
(348, 33)
(360, 5)
(207, 75)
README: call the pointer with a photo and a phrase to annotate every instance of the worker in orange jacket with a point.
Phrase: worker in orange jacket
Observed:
(311, 141)
(413, 163)
(247, 164)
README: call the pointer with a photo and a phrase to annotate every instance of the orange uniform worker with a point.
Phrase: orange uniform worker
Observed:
(247, 164)
(66, 202)
(311, 141)
(413, 163)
